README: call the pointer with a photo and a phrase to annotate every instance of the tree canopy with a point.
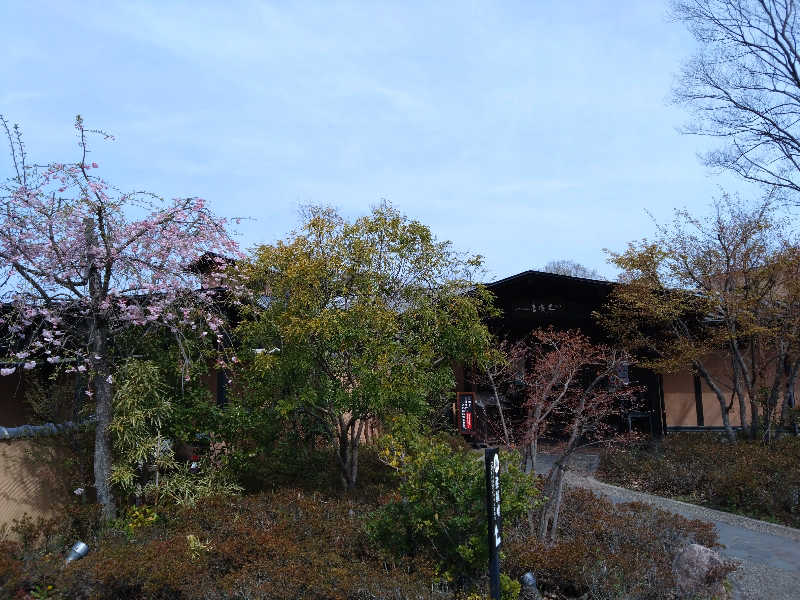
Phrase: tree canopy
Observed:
(360, 319)
(717, 288)
(570, 268)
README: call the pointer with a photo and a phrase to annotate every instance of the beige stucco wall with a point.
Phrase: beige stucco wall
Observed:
(29, 480)
(679, 398)
(679, 401)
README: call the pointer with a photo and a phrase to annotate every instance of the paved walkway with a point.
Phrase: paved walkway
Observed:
(769, 554)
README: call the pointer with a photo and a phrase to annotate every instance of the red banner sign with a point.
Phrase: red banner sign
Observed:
(465, 411)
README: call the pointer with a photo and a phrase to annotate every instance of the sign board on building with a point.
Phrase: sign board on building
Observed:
(537, 306)
(466, 412)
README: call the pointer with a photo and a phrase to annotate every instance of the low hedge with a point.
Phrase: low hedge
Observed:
(750, 478)
(296, 542)
(608, 551)
(282, 545)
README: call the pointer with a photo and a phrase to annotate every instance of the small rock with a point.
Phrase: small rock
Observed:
(529, 591)
(699, 570)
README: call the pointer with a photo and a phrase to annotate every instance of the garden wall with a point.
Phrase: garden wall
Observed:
(30, 480)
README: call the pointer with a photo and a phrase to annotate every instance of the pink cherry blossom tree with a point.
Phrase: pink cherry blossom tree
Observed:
(82, 261)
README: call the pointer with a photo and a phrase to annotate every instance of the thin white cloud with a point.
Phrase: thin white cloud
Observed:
(9, 99)
(486, 121)
(534, 186)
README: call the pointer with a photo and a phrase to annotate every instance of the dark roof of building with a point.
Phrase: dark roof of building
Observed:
(544, 274)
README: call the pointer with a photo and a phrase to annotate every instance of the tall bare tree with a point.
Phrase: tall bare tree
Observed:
(566, 377)
(570, 268)
(743, 86)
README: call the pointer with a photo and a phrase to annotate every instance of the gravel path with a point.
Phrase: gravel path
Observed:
(768, 554)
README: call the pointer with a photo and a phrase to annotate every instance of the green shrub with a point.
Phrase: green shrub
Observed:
(439, 509)
(250, 432)
(299, 543)
(142, 408)
(509, 588)
(135, 519)
(12, 567)
(313, 470)
(747, 477)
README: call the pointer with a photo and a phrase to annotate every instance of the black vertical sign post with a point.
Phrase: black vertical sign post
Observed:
(492, 461)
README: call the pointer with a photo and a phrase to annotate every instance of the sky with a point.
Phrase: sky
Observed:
(522, 131)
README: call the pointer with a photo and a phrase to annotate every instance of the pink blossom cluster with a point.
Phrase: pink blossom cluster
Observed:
(72, 254)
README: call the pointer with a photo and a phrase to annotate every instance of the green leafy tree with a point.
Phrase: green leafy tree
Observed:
(359, 320)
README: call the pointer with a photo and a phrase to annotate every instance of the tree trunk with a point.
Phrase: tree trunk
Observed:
(752, 393)
(506, 439)
(533, 422)
(755, 420)
(737, 388)
(349, 440)
(723, 401)
(744, 376)
(548, 524)
(354, 465)
(788, 395)
(345, 464)
(103, 414)
(98, 358)
(554, 490)
(772, 399)
(529, 458)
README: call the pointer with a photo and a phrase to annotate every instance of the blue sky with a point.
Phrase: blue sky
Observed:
(523, 131)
